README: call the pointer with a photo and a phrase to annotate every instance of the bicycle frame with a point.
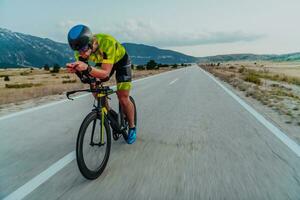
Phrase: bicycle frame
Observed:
(102, 93)
(103, 112)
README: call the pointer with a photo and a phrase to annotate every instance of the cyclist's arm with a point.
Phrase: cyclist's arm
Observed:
(107, 64)
(102, 73)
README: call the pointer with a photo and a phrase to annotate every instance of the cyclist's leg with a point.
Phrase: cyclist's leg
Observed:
(123, 77)
(126, 104)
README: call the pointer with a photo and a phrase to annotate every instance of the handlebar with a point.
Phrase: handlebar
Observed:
(85, 77)
(96, 85)
(103, 89)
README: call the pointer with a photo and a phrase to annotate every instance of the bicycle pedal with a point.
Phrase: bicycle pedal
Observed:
(116, 136)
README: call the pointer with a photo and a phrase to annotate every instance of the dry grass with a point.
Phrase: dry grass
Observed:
(280, 92)
(253, 78)
(25, 84)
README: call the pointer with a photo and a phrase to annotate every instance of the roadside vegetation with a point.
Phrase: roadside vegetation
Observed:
(279, 91)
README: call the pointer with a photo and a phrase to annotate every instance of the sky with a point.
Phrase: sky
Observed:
(194, 27)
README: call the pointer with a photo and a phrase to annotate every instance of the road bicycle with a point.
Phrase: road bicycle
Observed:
(94, 137)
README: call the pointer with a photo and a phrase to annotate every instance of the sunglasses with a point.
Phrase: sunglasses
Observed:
(84, 49)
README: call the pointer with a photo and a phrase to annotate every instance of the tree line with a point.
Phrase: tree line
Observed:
(55, 68)
(153, 65)
(150, 65)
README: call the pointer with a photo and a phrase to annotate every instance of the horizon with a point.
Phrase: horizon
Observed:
(199, 29)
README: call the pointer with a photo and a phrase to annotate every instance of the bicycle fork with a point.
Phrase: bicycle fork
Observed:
(102, 127)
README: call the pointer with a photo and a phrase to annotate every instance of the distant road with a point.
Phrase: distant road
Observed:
(194, 142)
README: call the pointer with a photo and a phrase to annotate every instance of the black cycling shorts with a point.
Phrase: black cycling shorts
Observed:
(123, 69)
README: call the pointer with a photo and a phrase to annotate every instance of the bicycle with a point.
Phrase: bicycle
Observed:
(107, 118)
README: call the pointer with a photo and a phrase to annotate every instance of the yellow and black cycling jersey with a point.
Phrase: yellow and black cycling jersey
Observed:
(112, 52)
(109, 50)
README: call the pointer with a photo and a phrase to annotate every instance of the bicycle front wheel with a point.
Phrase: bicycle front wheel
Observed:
(93, 146)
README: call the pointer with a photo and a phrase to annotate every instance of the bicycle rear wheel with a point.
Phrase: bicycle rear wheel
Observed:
(92, 148)
(124, 120)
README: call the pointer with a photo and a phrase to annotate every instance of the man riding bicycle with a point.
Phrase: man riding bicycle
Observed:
(108, 54)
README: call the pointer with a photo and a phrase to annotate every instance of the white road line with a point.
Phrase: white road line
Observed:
(66, 100)
(31, 185)
(276, 131)
(173, 81)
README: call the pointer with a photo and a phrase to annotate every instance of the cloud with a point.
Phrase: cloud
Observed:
(62, 28)
(148, 33)
(138, 31)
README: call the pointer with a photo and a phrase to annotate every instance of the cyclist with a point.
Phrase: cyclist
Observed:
(109, 57)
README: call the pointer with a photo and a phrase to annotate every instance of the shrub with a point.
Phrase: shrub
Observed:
(242, 69)
(23, 85)
(55, 69)
(140, 67)
(151, 64)
(46, 67)
(25, 73)
(69, 81)
(251, 77)
(6, 78)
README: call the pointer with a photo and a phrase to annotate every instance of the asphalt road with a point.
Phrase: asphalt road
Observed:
(194, 142)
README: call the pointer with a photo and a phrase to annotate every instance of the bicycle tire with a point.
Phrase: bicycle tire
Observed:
(85, 171)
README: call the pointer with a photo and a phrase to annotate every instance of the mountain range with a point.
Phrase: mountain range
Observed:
(19, 50)
(250, 57)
